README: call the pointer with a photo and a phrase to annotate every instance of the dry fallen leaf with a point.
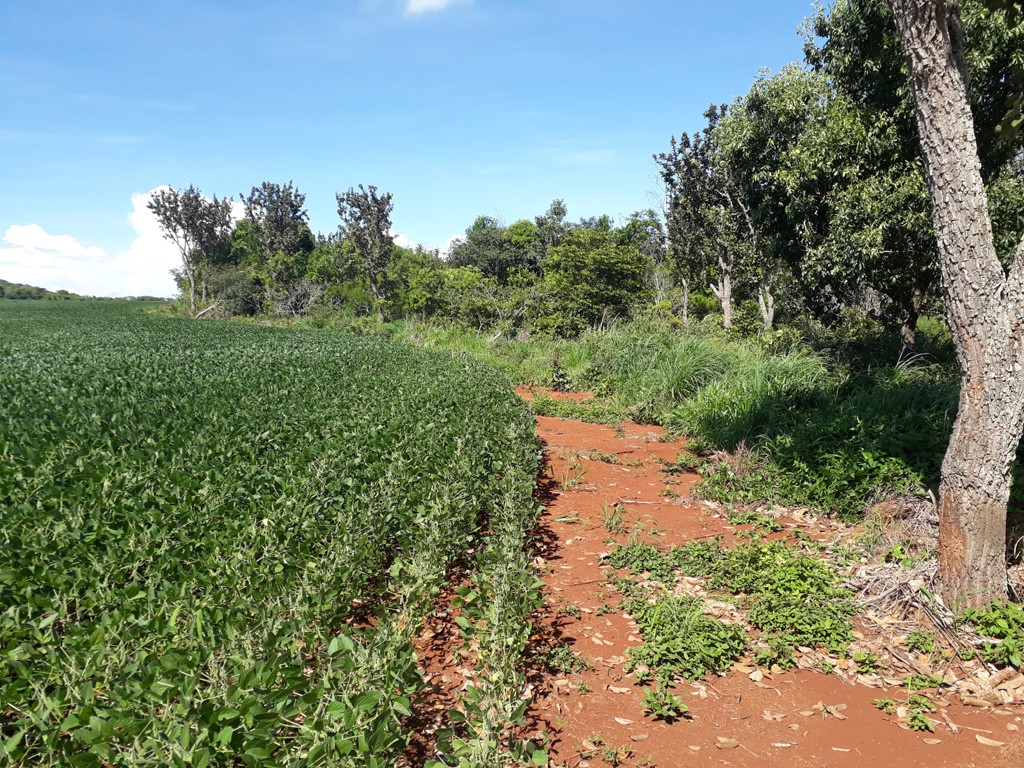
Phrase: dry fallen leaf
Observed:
(695, 748)
(617, 689)
(932, 741)
(807, 713)
(638, 736)
(757, 675)
(623, 721)
(781, 744)
(989, 742)
(589, 745)
(724, 743)
(970, 701)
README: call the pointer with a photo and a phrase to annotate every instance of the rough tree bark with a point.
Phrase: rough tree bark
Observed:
(984, 308)
(723, 289)
(765, 299)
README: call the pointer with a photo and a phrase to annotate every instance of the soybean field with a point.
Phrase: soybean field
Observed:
(217, 540)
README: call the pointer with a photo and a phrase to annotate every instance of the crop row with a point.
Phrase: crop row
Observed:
(217, 540)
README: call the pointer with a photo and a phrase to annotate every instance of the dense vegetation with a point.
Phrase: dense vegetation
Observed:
(20, 291)
(797, 221)
(218, 540)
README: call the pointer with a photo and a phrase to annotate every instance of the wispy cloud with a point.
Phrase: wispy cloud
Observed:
(415, 7)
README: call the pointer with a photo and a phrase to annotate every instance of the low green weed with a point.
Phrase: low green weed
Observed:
(922, 642)
(593, 411)
(640, 558)
(762, 522)
(680, 639)
(1004, 622)
(565, 660)
(661, 704)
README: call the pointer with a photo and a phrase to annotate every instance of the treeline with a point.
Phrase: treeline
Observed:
(548, 274)
(803, 198)
(20, 291)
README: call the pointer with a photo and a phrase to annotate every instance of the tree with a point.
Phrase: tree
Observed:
(709, 224)
(196, 225)
(860, 164)
(366, 220)
(591, 283)
(984, 309)
(497, 251)
(277, 219)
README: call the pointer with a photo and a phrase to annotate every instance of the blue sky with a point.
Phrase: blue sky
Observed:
(458, 107)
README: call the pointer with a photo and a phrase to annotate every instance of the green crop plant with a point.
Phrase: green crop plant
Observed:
(220, 539)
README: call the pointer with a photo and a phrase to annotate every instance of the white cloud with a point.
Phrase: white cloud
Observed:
(414, 7)
(451, 243)
(30, 255)
(402, 241)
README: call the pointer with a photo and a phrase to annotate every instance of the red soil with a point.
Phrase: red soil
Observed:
(740, 718)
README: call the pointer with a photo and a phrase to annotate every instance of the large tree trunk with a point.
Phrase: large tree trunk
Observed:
(984, 309)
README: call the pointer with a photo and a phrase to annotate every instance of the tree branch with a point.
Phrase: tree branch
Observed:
(211, 307)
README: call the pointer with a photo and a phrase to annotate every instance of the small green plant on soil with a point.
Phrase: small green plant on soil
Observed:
(572, 475)
(607, 458)
(761, 522)
(916, 709)
(1004, 622)
(867, 663)
(680, 639)
(885, 705)
(615, 755)
(604, 608)
(922, 642)
(661, 704)
(583, 687)
(571, 609)
(921, 682)
(779, 652)
(917, 718)
(565, 660)
(613, 518)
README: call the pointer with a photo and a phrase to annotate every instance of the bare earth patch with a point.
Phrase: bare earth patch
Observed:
(602, 483)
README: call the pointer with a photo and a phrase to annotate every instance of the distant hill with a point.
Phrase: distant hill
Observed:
(9, 290)
(20, 291)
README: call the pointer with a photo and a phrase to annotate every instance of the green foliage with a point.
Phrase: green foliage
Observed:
(661, 704)
(750, 517)
(593, 411)
(198, 517)
(1004, 622)
(923, 642)
(20, 292)
(590, 284)
(779, 651)
(641, 558)
(680, 639)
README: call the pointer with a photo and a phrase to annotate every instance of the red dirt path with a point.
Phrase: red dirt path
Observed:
(771, 722)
